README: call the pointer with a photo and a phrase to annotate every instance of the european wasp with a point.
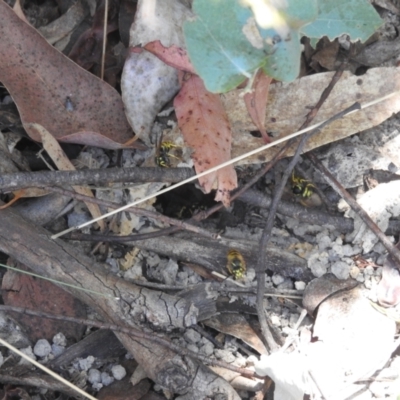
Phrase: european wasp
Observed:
(302, 187)
(163, 154)
(236, 265)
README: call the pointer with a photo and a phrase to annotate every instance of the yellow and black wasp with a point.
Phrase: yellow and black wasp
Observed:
(302, 187)
(163, 154)
(236, 265)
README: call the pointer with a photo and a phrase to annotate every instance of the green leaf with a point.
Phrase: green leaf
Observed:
(226, 46)
(219, 51)
(357, 18)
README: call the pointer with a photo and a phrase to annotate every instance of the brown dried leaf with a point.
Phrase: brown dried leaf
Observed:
(205, 127)
(256, 102)
(28, 292)
(53, 91)
(288, 105)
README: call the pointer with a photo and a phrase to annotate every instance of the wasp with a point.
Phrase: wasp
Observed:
(236, 265)
(163, 154)
(302, 187)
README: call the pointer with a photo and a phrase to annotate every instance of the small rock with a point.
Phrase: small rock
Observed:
(324, 242)
(318, 269)
(57, 350)
(286, 284)
(60, 339)
(42, 348)
(354, 272)
(224, 355)
(207, 349)
(86, 363)
(193, 347)
(348, 250)
(97, 386)
(191, 336)
(300, 285)
(94, 376)
(118, 371)
(340, 269)
(368, 271)
(106, 379)
(277, 279)
(28, 352)
(275, 320)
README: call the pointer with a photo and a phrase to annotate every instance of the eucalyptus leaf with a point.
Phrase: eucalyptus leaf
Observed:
(357, 18)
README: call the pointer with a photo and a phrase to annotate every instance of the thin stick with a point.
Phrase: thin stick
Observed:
(45, 369)
(103, 55)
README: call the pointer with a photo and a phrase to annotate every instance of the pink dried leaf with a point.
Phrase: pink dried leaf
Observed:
(174, 56)
(256, 102)
(205, 127)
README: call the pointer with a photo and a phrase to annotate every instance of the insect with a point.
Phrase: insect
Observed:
(163, 154)
(302, 187)
(236, 265)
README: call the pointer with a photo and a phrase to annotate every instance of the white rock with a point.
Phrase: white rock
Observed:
(318, 269)
(57, 350)
(118, 371)
(191, 336)
(42, 348)
(300, 285)
(207, 349)
(94, 376)
(340, 269)
(106, 379)
(86, 363)
(277, 279)
(60, 339)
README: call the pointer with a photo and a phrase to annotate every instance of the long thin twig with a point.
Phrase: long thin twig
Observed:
(20, 180)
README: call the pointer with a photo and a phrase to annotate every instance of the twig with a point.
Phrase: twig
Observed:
(137, 334)
(20, 180)
(394, 252)
(103, 53)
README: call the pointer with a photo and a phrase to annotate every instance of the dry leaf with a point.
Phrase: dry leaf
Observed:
(288, 104)
(205, 127)
(174, 56)
(21, 290)
(63, 163)
(51, 90)
(256, 102)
